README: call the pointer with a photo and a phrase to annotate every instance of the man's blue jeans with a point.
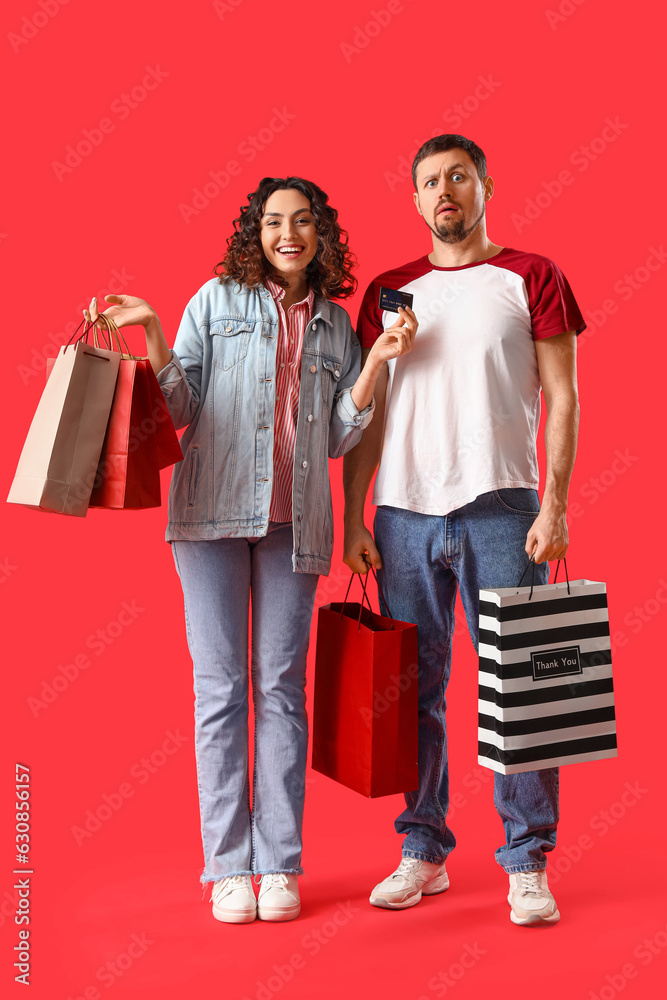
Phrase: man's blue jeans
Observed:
(424, 558)
(218, 578)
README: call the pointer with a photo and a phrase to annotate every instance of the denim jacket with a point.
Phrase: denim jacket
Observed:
(220, 383)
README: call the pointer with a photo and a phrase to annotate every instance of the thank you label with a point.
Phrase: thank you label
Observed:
(556, 663)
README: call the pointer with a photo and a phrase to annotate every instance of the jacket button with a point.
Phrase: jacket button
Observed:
(304, 465)
(314, 326)
(310, 417)
(228, 328)
(313, 368)
(300, 517)
(336, 374)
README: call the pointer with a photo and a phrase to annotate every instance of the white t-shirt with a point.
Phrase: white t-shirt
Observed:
(463, 408)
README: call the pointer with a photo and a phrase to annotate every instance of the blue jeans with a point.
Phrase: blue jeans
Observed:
(218, 578)
(424, 558)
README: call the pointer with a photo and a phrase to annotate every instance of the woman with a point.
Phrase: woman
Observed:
(265, 376)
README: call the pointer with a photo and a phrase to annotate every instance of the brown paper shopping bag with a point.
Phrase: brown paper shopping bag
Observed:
(58, 464)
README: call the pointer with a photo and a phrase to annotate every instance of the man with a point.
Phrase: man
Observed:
(454, 435)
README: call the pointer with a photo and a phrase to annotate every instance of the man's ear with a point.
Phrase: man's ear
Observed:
(415, 196)
(488, 188)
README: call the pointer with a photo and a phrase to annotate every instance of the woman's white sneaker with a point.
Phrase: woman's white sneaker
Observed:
(278, 897)
(234, 900)
(530, 899)
(411, 880)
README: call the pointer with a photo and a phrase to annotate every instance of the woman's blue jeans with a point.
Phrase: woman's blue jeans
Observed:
(219, 579)
(424, 559)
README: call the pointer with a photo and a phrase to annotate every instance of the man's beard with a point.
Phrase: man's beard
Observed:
(457, 233)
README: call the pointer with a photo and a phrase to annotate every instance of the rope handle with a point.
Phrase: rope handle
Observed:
(532, 577)
(108, 329)
(363, 577)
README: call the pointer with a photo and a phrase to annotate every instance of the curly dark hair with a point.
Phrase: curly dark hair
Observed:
(329, 273)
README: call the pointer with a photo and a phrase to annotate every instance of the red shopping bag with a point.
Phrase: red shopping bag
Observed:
(168, 447)
(128, 476)
(140, 438)
(365, 706)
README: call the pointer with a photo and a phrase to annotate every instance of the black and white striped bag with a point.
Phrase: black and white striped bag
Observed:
(546, 694)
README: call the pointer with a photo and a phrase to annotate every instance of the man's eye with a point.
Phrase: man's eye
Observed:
(432, 181)
(454, 176)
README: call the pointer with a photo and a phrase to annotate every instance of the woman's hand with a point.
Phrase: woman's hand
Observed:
(128, 310)
(125, 310)
(396, 340)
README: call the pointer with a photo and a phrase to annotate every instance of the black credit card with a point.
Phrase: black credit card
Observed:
(390, 299)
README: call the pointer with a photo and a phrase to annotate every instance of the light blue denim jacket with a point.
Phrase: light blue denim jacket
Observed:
(221, 384)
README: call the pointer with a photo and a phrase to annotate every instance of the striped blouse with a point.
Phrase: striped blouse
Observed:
(288, 381)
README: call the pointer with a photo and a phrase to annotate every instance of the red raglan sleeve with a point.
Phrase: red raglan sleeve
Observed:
(553, 307)
(369, 324)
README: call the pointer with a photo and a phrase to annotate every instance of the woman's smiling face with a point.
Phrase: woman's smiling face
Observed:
(289, 237)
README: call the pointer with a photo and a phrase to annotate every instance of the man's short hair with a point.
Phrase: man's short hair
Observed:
(441, 144)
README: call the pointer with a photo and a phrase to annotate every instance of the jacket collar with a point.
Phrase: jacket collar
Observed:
(321, 307)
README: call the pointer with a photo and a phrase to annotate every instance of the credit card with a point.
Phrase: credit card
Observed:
(390, 299)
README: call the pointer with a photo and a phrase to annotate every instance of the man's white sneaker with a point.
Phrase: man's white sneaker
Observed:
(278, 897)
(530, 899)
(233, 900)
(411, 880)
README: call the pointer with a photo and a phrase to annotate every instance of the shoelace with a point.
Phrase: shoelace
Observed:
(227, 885)
(529, 883)
(406, 866)
(274, 880)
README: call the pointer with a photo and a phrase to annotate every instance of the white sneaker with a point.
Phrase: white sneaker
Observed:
(411, 880)
(233, 900)
(278, 897)
(530, 899)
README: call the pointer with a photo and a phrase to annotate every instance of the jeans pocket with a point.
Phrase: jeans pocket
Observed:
(518, 500)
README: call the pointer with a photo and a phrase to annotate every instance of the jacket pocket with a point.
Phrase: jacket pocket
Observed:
(192, 477)
(229, 340)
(331, 373)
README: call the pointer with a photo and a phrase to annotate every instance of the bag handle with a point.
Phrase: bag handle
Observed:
(114, 331)
(363, 577)
(384, 599)
(88, 325)
(532, 577)
(364, 597)
(109, 330)
(567, 579)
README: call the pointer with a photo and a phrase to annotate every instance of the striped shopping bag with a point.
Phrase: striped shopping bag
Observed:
(546, 693)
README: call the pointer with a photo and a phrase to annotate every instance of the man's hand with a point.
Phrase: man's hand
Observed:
(548, 537)
(359, 549)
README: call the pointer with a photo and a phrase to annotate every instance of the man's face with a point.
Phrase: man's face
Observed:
(450, 196)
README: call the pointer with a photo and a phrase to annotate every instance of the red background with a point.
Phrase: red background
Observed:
(552, 82)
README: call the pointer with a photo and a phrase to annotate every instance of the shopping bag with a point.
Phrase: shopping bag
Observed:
(128, 476)
(365, 702)
(58, 463)
(546, 694)
(167, 444)
(140, 438)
